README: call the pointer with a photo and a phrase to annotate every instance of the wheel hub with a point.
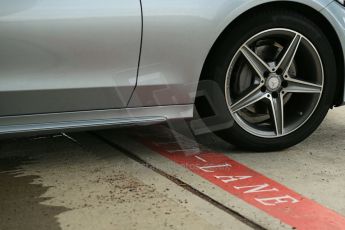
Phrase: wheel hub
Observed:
(274, 82)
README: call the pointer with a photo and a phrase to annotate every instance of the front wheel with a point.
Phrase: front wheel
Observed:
(278, 77)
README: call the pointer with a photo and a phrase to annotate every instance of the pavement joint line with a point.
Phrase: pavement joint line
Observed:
(182, 184)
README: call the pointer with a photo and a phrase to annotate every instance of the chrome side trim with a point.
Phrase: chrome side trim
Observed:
(93, 119)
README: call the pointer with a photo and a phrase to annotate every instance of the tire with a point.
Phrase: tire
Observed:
(314, 55)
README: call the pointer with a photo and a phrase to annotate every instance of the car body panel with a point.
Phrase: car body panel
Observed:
(88, 62)
(67, 55)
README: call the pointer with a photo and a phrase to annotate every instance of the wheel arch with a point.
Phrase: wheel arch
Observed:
(310, 12)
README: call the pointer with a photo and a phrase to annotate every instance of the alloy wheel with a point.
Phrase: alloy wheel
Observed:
(274, 83)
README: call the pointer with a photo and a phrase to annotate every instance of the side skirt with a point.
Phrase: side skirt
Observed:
(92, 119)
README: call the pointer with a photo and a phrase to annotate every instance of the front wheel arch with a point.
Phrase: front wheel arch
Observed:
(308, 12)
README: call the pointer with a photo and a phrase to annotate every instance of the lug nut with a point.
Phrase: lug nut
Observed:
(274, 94)
(285, 84)
(263, 89)
(266, 74)
(279, 72)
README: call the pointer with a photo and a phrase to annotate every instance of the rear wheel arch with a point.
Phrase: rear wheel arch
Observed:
(303, 9)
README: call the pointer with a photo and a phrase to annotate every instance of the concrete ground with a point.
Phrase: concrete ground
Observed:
(108, 180)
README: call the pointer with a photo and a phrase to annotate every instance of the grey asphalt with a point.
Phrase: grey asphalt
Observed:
(80, 181)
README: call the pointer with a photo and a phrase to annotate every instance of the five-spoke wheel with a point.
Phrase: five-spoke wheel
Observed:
(272, 75)
(277, 73)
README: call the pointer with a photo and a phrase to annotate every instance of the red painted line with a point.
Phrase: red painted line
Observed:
(256, 189)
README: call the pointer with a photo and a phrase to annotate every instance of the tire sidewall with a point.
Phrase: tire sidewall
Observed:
(253, 26)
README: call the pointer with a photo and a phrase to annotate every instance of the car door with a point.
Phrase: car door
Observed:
(67, 55)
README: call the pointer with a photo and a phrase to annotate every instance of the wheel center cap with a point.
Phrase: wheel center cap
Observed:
(273, 82)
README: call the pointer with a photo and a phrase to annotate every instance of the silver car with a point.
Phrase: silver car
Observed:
(262, 74)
